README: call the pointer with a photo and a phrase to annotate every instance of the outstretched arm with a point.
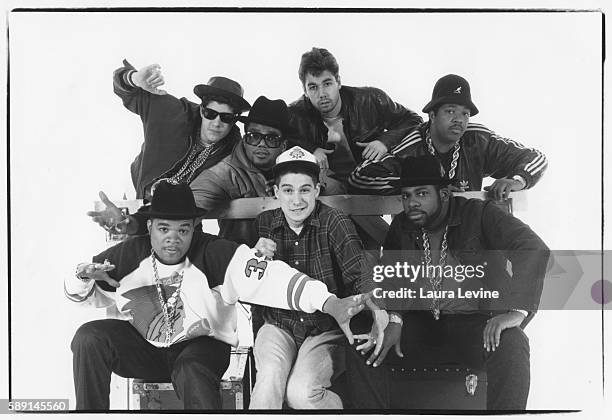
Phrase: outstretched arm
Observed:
(82, 287)
(139, 91)
(112, 220)
(254, 279)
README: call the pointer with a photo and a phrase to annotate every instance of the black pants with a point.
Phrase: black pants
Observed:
(453, 338)
(101, 347)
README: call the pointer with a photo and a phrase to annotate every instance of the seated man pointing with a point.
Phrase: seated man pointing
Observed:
(177, 289)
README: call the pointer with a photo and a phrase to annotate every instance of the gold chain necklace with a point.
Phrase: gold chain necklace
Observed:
(196, 158)
(453, 165)
(168, 307)
(436, 281)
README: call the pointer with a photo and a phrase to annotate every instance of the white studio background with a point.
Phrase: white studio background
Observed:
(536, 78)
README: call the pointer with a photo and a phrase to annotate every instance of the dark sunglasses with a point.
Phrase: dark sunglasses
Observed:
(271, 140)
(211, 114)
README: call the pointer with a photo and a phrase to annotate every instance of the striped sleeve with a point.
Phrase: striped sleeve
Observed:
(505, 157)
(414, 137)
(376, 177)
(380, 176)
(87, 293)
(254, 279)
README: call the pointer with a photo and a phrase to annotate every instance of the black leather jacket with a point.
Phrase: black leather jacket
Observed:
(368, 114)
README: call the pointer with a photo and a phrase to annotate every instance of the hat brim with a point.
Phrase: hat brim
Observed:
(287, 130)
(415, 182)
(451, 99)
(202, 90)
(149, 213)
(301, 166)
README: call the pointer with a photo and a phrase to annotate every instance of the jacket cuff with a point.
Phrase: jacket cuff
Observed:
(530, 180)
(520, 311)
(127, 78)
(123, 77)
(76, 289)
(526, 177)
(313, 297)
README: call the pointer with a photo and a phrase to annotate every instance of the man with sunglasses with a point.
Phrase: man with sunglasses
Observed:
(181, 138)
(247, 171)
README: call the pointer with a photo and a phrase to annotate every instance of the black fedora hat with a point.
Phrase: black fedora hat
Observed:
(270, 112)
(422, 170)
(222, 86)
(451, 89)
(172, 202)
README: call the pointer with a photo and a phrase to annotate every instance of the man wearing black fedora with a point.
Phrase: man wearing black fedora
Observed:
(451, 316)
(176, 290)
(245, 172)
(468, 152)
(181, 138)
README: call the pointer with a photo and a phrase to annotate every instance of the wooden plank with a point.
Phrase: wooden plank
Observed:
(374, 226)
(358, 205)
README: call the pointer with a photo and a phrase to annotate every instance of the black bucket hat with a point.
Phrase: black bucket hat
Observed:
(422, 170)
(222, 86)
(270, 112)
(172, 202)
(451, 89)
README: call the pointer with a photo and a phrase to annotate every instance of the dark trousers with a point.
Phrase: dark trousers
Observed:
(101, 347)
(451, 339)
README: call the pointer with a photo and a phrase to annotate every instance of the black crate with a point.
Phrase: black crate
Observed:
(438, 388)
(236, 386)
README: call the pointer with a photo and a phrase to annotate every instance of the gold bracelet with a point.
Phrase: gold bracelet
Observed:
(396, 319)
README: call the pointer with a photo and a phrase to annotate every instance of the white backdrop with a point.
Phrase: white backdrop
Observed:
(536, 78)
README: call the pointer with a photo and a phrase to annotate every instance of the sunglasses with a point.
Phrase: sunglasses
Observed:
(211, 114)
(271, 140)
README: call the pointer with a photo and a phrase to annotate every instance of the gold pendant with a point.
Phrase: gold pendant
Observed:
(436, 314)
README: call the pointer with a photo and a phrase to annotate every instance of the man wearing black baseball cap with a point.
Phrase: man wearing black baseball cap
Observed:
(443, 317)
(468, 152)
(176, 290)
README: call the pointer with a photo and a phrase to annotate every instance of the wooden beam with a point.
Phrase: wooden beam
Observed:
(357, 205)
